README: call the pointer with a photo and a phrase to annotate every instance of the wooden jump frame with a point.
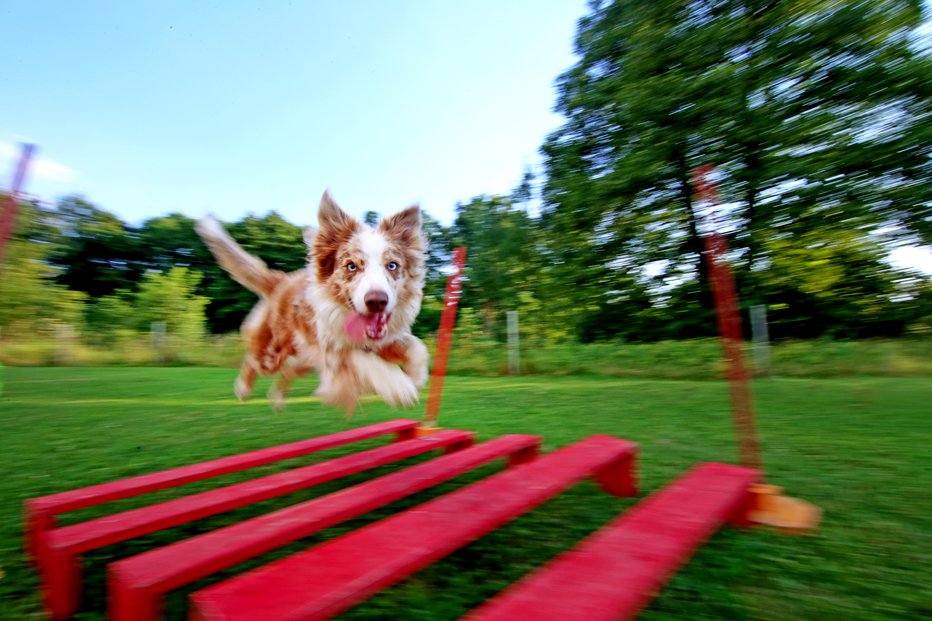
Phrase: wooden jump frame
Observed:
(626, 562)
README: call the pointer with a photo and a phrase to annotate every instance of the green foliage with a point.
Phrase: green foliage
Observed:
(837, 286)
(476, 353)
(96, 252)
(170, 298)
(171, 241)
(30, 301)
(439, 253)
(698, 359)
(813, 113)
(278, 242)
(371, 218)
(501, 259)
(111, 318)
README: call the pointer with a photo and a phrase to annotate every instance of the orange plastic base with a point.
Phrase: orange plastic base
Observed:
(790, 516)
(425, 429)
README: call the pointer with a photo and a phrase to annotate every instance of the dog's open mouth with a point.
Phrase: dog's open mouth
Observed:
(359, 326)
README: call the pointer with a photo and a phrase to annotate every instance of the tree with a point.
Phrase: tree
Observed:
(814, 112)
(170, 297)
(29, 298)
(96, 252)
(273, 239)
(111, 317)
(501, 257)
(171, 241)
(371, 218)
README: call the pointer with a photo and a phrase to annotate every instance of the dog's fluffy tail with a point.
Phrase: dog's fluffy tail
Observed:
(246, 269)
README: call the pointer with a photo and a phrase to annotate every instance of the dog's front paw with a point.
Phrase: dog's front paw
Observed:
(416, 365)
(399, 392)
(418, 375)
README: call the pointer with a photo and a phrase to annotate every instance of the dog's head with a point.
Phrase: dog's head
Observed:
(373, 277)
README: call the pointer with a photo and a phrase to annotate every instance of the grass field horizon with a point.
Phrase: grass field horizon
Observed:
(856, 446)
(695, 359)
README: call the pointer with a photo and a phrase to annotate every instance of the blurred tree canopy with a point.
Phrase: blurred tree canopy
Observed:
(169, 297)
(815, 114)
(30, 298)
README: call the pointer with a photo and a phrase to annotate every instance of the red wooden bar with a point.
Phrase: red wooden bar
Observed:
(41, 512)
(137, 584)
(334, 576)
(59, 549)
(616, 572)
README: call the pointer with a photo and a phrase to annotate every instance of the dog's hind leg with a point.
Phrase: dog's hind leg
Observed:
(242, 387)
(278, 392)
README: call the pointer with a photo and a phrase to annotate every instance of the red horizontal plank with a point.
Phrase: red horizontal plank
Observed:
(60, 547)
(329, 578)
(40, 511)
(125, 488)
(133, 523)
(137, 583)
(614, 573)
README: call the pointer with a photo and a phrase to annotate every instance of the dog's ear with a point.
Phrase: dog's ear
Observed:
(332, 217)
(404, 226)
(336, 227)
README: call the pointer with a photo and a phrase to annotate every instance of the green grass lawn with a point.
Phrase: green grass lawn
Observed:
(861, 448)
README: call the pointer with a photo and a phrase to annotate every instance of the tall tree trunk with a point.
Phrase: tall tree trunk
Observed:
(694, 242)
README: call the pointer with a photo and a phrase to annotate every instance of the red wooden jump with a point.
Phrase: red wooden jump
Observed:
(616, 572)
(60, 548)
(338, 574)
(137, 584)
(613, 574)
(41, 512)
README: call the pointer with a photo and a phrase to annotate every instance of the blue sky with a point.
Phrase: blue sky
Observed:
(151, 107)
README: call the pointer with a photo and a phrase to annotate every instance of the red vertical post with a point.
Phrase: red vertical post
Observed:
(61, 582)
(729, 328)
(10, 205)
(444, 337)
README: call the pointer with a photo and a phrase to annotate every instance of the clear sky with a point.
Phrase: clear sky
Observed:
(236, 107)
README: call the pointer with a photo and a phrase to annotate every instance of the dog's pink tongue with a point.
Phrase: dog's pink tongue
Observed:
(358, 326)
(355, 327)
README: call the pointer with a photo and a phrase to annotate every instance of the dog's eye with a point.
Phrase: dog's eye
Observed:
(392, 266)
(351, 266)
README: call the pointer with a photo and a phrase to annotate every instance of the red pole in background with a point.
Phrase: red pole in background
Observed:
(729, 328)
(444, 337)
(10, 204)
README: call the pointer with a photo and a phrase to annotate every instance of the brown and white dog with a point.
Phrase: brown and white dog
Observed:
(348, 314)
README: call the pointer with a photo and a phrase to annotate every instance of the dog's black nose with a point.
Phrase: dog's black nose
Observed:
(376, 301)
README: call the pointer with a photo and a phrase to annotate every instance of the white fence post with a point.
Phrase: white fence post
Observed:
(64, 343)
(761, 338)
(158, 332)
(514, 344)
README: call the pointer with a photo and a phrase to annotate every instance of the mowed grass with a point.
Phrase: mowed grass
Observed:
(861, 448)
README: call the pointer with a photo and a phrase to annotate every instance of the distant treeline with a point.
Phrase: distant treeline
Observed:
(815, 115)
(80, 266)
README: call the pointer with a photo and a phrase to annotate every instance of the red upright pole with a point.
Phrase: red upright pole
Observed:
(10, 204)
(444, 336)
(729, 328)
